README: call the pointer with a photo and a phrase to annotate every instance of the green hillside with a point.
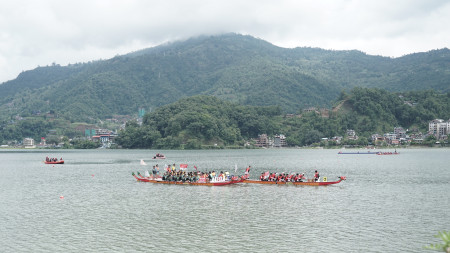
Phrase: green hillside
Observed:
(235, 68)
(205, 121)
(209, 122)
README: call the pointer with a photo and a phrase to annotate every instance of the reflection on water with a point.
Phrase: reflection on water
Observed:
(387, 204)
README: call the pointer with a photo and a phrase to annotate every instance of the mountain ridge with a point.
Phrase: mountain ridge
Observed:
(238, 68)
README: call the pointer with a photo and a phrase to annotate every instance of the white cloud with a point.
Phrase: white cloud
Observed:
(36, 33)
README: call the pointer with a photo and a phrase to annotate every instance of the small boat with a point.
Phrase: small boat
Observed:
(388, 153)
(54, 162)
(158, 180)
(357, 153)
(312, 183)
(159, 156)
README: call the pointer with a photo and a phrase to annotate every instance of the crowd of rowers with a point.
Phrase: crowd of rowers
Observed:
(48, 159)
(286, 177)
(181, 175)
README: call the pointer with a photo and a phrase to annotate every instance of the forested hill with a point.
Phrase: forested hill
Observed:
(237, 68)
(208, 122)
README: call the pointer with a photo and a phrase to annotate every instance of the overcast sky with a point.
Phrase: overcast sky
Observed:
(39, 33)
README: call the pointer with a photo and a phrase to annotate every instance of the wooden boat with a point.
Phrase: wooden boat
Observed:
(249, 181)
(54, 162)
(158, 180)
(388, 153)
(357, 153)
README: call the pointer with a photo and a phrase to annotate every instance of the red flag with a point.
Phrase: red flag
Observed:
(183, 166)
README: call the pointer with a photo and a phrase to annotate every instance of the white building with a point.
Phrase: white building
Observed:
(439, 128)
(279, 141)
(29, 143)
(400, 132)
(351, 134)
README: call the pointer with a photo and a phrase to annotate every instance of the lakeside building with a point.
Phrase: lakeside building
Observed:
(337, 139)
(416, 137)
(105, 137)
(279, 141)
(399, 132)
(42, 144)
(377, 138)
(263, 141)
(351, 134)
(28, 143)
(439, 128)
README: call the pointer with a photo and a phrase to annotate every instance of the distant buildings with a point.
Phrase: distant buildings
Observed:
(351, 134)
(400, 133)
(28, 143)
(279, 141)
(104, 136)
(262, 141)
(439, 128)
(265, 141)
(397, 137)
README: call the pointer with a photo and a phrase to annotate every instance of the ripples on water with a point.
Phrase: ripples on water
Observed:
(387, 204)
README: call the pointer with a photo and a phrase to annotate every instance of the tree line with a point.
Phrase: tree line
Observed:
(207, 122)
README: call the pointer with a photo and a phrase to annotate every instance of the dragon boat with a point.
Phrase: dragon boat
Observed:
(388, 153)
(201, 181)
(358, 153)
(54, 162)
(308, 183)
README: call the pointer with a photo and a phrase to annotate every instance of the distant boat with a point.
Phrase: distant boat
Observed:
(309, 183)
(54, 162)
(388, 153)
(357, 153)
(142, 162)
(159, 156)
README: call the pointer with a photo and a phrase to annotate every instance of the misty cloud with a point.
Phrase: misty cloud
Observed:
(36, 33)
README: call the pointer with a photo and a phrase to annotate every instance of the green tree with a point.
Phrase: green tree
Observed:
(85, 144)
(444, 246)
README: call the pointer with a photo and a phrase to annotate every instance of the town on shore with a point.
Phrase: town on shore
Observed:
(437, 136)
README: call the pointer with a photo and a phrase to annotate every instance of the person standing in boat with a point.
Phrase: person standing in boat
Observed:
(316, 176)
(154, 171)
(247, 171)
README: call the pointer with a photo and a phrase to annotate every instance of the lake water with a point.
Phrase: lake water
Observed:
(387, 204)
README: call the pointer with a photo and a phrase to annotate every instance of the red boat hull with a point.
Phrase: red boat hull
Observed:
(57, 162)
(150, 180)
(248, 181)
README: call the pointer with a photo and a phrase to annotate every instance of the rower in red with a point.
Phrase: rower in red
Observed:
(316, 176)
